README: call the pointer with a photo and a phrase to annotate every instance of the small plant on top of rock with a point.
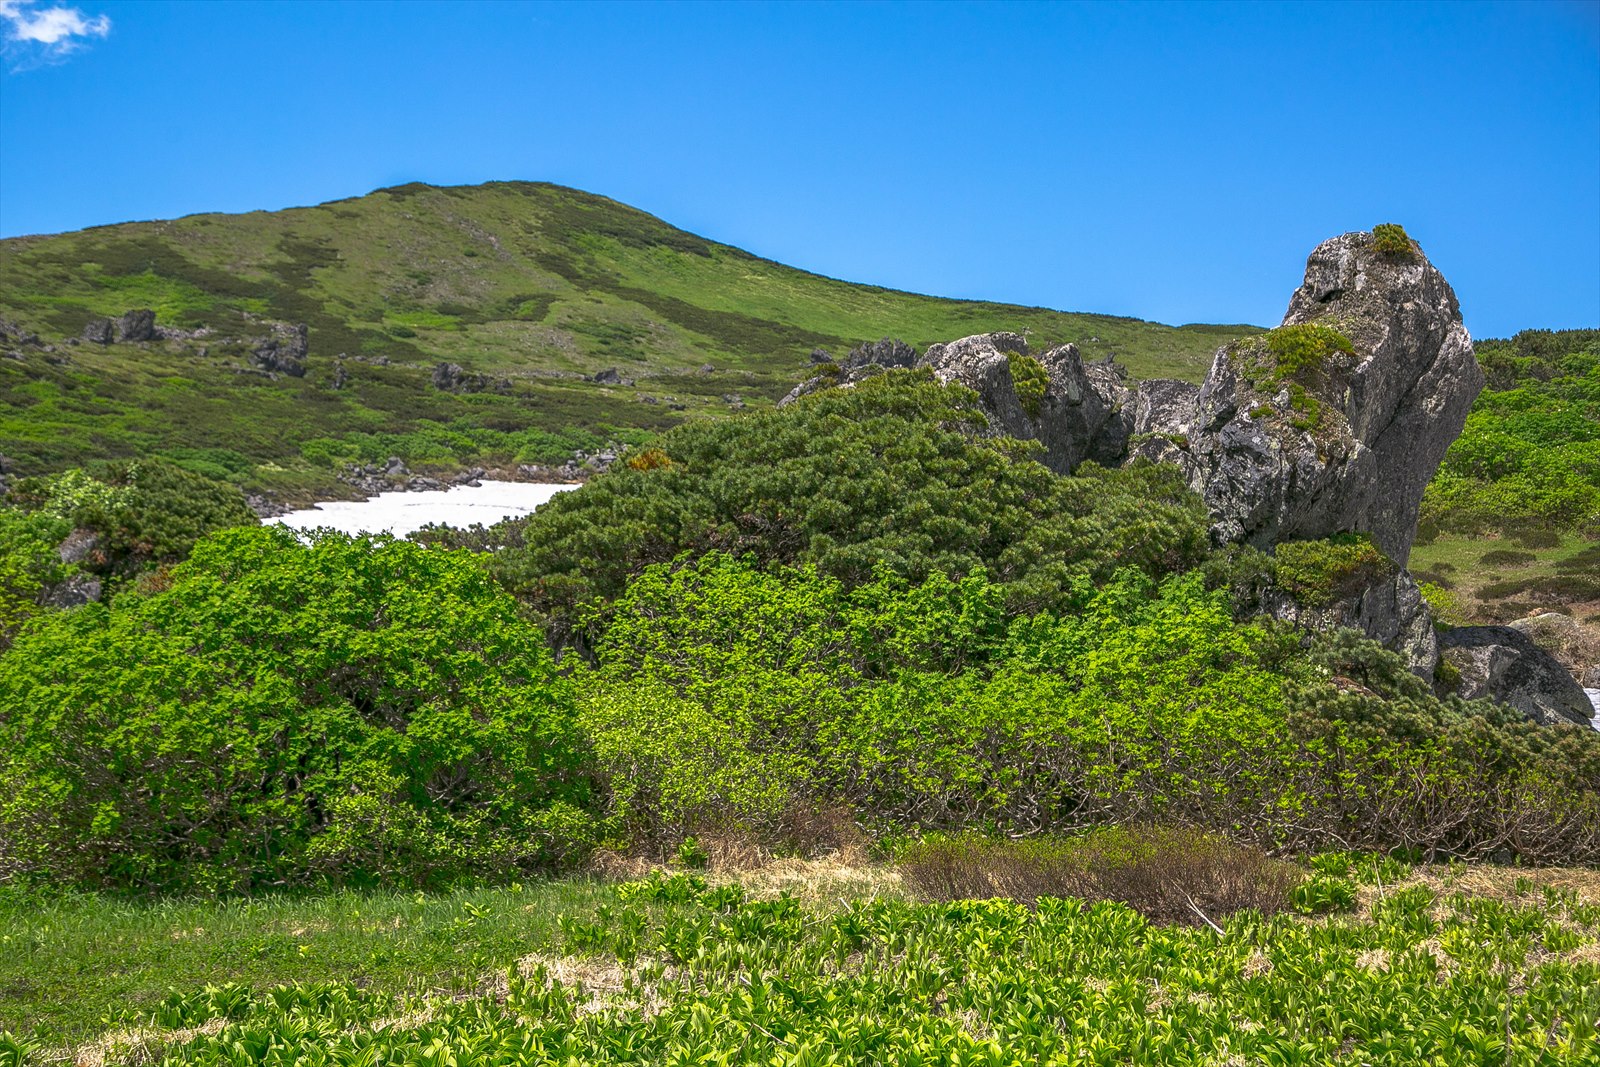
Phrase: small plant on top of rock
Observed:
(1391, 239)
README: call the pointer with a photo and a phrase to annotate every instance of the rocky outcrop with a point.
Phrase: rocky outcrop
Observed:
(1077, 411)
(453, 378)
(1337, 421)
(128, 328)
(1163, 410)
(1389, 609)
(284, 351)
(863, 361)
(136, 326)
(1503, 664)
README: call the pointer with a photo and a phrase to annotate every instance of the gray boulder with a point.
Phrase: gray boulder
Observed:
(453, 378)
(73, 591)
(1347, 440)
(137, 325)
(99, 331)
(863, 361)
(78, 546)
(1388, 608)
(1163, 412)
(1503, 664)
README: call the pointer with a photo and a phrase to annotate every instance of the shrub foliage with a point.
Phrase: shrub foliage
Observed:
(275, 710)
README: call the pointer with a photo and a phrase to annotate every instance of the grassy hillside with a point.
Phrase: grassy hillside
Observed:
(534, 286)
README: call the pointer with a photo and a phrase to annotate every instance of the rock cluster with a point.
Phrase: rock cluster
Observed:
(129, 327)
(283, 351)
(453, 378)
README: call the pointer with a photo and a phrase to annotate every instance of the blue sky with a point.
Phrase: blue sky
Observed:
(1171, 161)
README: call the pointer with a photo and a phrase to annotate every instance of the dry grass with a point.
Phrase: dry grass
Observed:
(1166, 874)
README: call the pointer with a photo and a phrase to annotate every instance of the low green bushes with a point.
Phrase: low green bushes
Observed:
(726, 696)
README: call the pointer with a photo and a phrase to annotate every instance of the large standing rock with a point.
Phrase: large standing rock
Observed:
(1503, 664)
(1339, 425)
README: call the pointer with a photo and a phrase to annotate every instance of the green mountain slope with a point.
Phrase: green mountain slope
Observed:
(531, 289)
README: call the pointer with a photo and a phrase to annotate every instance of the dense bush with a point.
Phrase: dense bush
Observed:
(29, 565)
(888, 475)
(273, 711)
(141, 514)
(727, 696)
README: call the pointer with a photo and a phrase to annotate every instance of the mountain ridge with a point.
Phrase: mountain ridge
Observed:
(508, 308)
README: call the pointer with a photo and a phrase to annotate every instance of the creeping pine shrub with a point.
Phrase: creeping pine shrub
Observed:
(1391, 239)
(362, 710)
(892, 474)
(1165, 873)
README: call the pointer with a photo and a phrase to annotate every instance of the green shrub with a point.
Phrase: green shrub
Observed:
(1301, 352)
(1030, 380)
(1391, 239)
(29, 565)
(1324, 893)
(282, 712)
(889, 475)
(143, 513)
(1318, 573)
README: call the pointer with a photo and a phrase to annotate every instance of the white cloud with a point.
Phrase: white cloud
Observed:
(31, 35)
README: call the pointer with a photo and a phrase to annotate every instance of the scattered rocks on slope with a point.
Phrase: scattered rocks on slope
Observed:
(1503, 664)
(1339, 439)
